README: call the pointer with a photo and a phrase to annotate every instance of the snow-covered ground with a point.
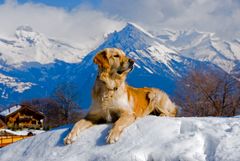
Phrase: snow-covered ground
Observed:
(22, 132)
(150, 138)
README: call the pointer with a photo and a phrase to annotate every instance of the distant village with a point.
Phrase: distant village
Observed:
(18, 122)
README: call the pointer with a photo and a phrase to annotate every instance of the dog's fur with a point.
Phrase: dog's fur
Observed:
(115, 101)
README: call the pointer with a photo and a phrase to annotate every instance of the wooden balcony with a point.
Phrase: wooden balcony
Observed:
(9, 139)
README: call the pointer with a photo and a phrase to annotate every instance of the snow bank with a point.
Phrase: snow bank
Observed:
(150, 138)
(22, 132)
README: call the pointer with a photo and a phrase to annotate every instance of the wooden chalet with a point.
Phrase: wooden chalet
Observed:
(21, 117)
(2, 125)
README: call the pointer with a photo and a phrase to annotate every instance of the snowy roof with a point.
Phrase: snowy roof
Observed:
(22, 132)
(15, 108)
(9, 132)
(10, 110)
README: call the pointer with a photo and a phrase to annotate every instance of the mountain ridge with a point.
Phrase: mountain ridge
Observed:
(203, 46)
(156, 65)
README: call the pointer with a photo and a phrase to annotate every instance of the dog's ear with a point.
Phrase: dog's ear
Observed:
(101, 59)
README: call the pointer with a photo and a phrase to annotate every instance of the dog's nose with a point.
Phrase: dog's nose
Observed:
(130, 61)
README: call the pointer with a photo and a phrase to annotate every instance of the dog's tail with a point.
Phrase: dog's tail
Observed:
(161, 104)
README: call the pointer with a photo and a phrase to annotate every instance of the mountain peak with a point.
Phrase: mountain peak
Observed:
(27, 34)
(131, 37)
(132, 26)
(25, 28)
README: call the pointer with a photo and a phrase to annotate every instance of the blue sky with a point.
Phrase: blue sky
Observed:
(67, 4)
(58, 3)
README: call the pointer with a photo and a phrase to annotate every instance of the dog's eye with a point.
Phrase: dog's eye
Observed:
(116, 56)
(119, 72)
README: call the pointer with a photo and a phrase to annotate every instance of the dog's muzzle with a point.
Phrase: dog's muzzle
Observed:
(129, 66)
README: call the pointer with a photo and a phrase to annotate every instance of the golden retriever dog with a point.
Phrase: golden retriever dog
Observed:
(116, 102)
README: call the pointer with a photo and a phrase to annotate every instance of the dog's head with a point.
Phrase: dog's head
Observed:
(113, 66)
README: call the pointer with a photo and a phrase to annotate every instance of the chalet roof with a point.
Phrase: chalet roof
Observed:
(9, 111)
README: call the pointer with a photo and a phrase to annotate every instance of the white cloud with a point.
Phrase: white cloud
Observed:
(80, 25)
(87, 22)
(222, 17)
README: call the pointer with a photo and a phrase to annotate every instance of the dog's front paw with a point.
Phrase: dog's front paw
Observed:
(70, 138)
(113, 136)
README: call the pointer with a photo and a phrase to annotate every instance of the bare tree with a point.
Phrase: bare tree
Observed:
(66, 96)
(208, 94)
(54, 114)
(61, 108)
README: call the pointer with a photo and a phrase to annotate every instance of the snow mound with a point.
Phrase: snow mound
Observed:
(150, 138)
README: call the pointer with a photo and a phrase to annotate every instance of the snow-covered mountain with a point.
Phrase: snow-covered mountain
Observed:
(44, 63)
(149, 138)
(203, 46)
(155, 64)
(31, 62)
(29, 46)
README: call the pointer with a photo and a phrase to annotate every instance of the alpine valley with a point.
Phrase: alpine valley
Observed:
(32, 64)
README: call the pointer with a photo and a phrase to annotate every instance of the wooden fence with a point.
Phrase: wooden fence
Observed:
(9, 139)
